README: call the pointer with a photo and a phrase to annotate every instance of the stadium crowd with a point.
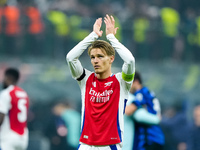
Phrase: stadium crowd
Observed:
(151, 30)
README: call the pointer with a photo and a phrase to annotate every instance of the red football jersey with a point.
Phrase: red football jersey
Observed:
(14, 103)
(103, 106)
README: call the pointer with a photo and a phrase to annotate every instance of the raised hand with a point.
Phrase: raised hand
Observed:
(97, 27)
(110, 25)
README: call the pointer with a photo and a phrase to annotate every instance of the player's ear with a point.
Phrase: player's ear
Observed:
(112, 58)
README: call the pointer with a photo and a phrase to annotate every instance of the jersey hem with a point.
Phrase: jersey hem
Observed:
(100, 143)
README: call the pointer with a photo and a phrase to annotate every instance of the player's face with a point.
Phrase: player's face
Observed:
(101, 61)
(133, 87)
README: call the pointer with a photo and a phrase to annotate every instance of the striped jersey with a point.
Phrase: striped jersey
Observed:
(147, 134)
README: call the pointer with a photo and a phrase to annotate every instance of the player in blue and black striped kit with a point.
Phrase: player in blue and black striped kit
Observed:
(147, 136)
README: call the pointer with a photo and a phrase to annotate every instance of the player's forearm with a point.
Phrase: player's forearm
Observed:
(73, 55)
(76, 52)
(130, 109)
(142, 116)
(124, 53)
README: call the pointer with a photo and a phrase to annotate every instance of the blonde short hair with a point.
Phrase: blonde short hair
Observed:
(104, 46)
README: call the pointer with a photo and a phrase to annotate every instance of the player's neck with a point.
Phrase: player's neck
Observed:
(104, 75)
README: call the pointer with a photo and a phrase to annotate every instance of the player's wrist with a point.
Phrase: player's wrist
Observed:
(94, 34)
(110, 36)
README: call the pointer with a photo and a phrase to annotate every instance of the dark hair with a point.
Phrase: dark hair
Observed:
(138, 77)
(104, 46)
(13, 74)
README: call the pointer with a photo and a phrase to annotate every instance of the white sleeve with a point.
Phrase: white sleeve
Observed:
(4, 102)
(75, 66)
(129, 61)
(143, 116)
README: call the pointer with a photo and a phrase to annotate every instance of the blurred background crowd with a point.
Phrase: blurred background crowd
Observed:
(163, 35)
(154, 29)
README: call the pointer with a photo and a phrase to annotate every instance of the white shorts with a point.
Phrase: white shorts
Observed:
(10, 140)
(83, 146)
(14, 145)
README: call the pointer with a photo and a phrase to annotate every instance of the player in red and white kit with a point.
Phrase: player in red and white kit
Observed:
(104, 94)
(14, 104)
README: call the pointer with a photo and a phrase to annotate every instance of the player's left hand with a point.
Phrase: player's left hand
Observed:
(110, 25)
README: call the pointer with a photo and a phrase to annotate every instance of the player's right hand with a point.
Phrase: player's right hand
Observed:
(97, 27)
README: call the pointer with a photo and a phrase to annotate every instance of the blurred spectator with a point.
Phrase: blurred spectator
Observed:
(1, 15)
(53, 127)
(10, 28)
(71, 118)
(175, 126)
(147, 135)
(2, 2)
(12, 15)
(179, 46)
(1, 30)
(35, 25)
(140, 29)
(34, 28)
(170, 23)
(141, 116)
(60, 21)
(78, 31)
(61, 29)
(194, 41)
(194, 134)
